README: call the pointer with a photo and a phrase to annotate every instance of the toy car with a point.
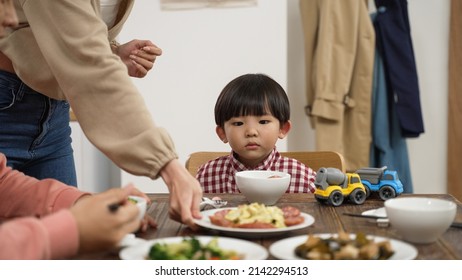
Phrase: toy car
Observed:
(332, 186)
(381, 180)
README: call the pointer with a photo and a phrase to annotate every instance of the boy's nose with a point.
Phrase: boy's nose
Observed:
(251, 132)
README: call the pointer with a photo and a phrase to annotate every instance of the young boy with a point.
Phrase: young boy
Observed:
(251, 114)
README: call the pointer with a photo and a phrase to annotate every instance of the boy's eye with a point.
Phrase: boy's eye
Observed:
(237, 123)
(264, 122)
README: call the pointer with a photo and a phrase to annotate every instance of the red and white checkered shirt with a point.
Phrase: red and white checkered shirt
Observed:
(217, 176)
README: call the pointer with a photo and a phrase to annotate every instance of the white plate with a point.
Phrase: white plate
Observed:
(285, 249)
(250, 250)
(250, 232)
(379, 212)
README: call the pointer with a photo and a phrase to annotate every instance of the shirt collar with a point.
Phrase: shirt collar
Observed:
(264, 165)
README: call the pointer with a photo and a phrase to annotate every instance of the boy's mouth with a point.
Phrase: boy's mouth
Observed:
(252, 146)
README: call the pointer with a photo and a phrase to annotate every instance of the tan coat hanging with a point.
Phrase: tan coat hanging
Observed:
(339, 54)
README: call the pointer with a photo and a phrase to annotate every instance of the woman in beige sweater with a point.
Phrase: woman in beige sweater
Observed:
(35, 215)
(60, 55)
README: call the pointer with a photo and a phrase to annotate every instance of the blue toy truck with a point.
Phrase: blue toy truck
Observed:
(381, 180)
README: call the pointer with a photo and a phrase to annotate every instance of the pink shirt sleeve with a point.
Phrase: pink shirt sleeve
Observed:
(53, 237)
(33, 226)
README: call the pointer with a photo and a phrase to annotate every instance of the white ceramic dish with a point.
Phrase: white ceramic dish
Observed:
(130, 240)
(262, 186)
(250, 250)
(140, 203)
(285, 249)
(379, 212)
(420, 219)
(250, 232)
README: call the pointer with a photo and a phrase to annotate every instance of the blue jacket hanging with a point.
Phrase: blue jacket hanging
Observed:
(395, 46)
(388, 147)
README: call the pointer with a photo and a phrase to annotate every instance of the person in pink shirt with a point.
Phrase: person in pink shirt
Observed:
(251, 114)
(46, 219)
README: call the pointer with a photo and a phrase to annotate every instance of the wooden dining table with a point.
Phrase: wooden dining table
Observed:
(328, 219)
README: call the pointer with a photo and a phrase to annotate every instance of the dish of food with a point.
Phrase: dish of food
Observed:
(257, 215)
(243, 249)
(285, 249)
(246, 232)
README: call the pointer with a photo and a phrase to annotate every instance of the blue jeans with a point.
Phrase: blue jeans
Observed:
(35, 135)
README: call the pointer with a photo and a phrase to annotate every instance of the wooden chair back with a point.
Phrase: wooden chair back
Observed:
(313, 159)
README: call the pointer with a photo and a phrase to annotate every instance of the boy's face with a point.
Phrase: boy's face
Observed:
(252, 137)
(7, 15)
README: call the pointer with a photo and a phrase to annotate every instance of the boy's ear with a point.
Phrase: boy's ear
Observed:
(221, 134)
(284, 130)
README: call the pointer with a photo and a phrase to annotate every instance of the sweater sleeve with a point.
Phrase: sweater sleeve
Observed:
(53, 237)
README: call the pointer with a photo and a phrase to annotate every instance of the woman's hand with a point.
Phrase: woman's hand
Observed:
(185, 193)
(139, 56)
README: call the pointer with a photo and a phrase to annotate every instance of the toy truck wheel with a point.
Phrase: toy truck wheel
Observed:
(358, 196)
(336, 198)
(368, 191)
(387, 192)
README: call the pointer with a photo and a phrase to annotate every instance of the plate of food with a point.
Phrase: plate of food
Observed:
(254, 220)
(195, 248)
(342, 246)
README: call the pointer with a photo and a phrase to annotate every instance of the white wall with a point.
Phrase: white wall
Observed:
(430, 34)
(206, 48)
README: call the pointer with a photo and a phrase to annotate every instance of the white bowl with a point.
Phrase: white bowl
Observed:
(141, 203)
(262, 186)
(420, 219)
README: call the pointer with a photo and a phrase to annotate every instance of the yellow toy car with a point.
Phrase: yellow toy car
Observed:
(332, 186)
